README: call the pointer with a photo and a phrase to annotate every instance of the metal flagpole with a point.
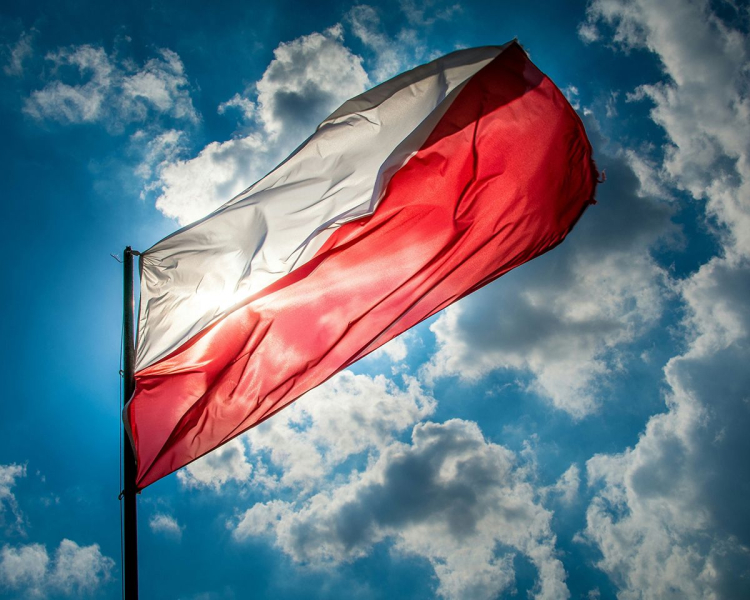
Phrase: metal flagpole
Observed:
(130, 526)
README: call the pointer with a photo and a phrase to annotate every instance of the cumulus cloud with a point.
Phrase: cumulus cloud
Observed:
(670, 518)
(9, 475)
(349, 415)
(26, 567)
(566, 488)
(225, 464)
(244, 105)
(306, 80)
(166, 525)
(29, 571)
(567, 317)
(73, 570)
(157, 151)
(464, 504)
(668, 515)
(397, 349)
(302, 445)
(91, 86)
(191, 188)
(704, 105)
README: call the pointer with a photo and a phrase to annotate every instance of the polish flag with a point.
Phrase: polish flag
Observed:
(407, 198)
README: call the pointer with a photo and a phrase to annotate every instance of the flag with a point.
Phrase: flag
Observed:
(405, 199)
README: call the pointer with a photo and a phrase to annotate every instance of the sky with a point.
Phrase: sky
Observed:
(577, 429)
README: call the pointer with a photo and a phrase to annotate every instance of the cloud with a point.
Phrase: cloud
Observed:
(450, 496)
(25, 567)
(391, 56)
(566, 488)
(79, 569)
(567, 317)
(397, 349)
(74, 571)
(158, 151)
(349, 415)
(668, 515)
(246, 106)
(428, 12)
(306, 80)
(165, 525)
(9, 474)
(573, 96)
(91, 86)
(28, 569)
(703, 106)
(387, 55)
(302, 445)
(670, 518)
(190, 189)
(18, 53)
(225, 464)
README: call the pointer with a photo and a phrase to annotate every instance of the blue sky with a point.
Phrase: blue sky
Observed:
(576, 429)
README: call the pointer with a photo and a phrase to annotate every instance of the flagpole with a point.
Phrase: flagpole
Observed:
(129, 524)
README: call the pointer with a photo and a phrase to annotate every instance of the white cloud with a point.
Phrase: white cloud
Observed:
(567, 317)
(28, 569)
(669, 517)
(91, 86)
(190, 189)
(566, 488)
(396, 350)
(449, 496)
(79, 569)
(225, 464)
(391, 55)
(306, 80)
(588, 33)
(611, 104)
(302, 445)
(18, 53)
(348, 415)
(704, 106)
(25, 567)
(165, 525)
(573, 96)
(161, 150)
(246, 106)
(74, 571)
(387, 55)
(9, 474)
(428, 12)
